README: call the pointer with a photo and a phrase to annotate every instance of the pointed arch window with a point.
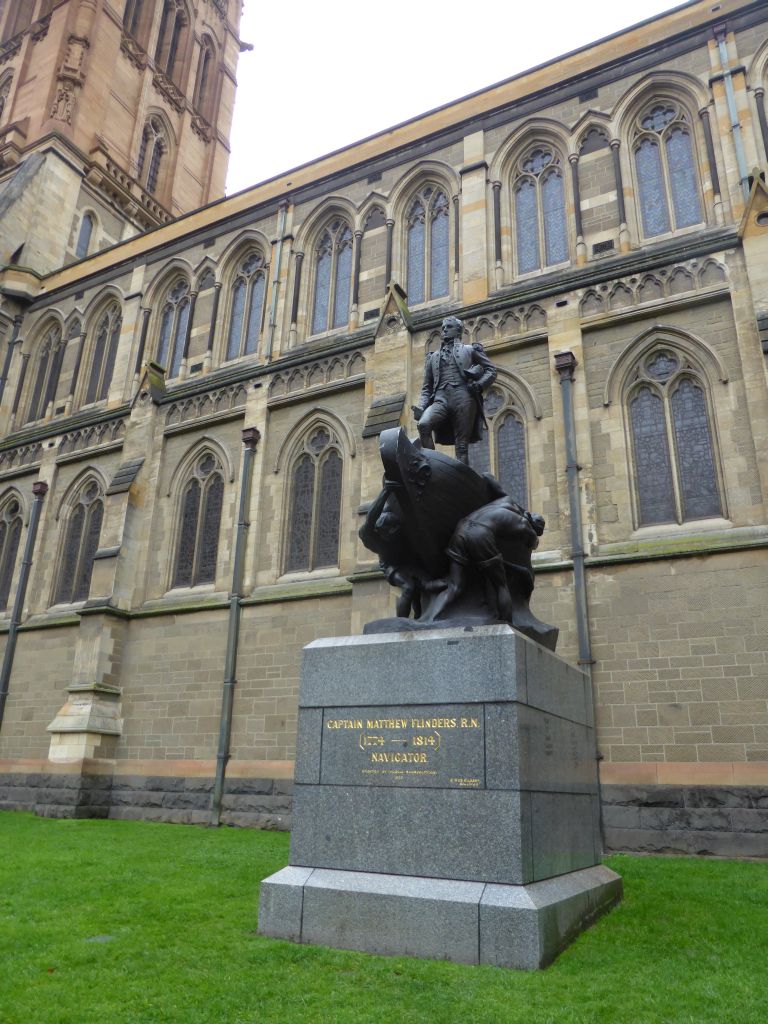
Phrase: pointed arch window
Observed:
(19, 18)
(333, 278)
(247, 307)
(541, 234)
(197, 547)
(84, 236)
(132, 17)
(174, 320)
(80, 544)
(427, 244)
(10, 535)
(104, 354)
(315, 503)
(171, 40)
(675, 462)
(665, 165)
(46, 383)
(502, 450)
(204, 80)
(154, 145)
(5, 90)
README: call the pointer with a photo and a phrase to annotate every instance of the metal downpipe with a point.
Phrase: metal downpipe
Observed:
(39, 489)
(730, 98)
(251, 438)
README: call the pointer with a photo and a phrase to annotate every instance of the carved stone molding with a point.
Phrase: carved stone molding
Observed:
(170, 92)
(658, 284)
(63, 106)
(40, 29)
(317, 374)
(201, 127)
(24, 455)
(135, 54)
(493, 327)
(91, 437)
(208, 404)
(11, 48)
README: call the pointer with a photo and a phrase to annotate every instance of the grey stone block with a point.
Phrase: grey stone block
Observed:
(386, 914)
(430, 667)
(618, 816)
(555, 686)
(309, 736)
(717, 844)
(563, 836)
(433, 832)
(526, 927)
(749, 819)
(722, 796)
(643, 796)
(264, 786)
(281, 900)
(693, 818)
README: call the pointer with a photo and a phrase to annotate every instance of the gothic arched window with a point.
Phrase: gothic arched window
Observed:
(80, 544)
(5, 89)
(154, 145)
(104, 353)
(173, 328)
(19, 18)
(10, 535)
(247, 307)
(204, 80)
(132, 17)
(672, 447)
(502, 448)
(541, 234)
(315, 503)
(84, 236)
(46, 383)
(665, 164)
(197, 547)
(427, 235)
(333, 278)
(171, 40)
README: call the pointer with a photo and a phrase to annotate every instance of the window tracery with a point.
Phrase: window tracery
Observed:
(665, 164)
(80, 544)
(10, 535)
(333, 277)
(247, 307)
(50, 358)
(502, 450)
(202, 499)
(315, 503)
(104, 354)
(5, 90)
(428, 255)
(541, 233)
(169, 52)
(675, 463)
(154, 145)
(84, 236)
(174, 320)
(204, 80)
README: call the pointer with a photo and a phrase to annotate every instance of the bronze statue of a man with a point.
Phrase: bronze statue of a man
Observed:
(451, 403)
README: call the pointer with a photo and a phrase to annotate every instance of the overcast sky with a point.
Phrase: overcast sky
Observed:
(324, 75)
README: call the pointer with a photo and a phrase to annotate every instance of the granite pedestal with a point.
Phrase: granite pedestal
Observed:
(445, 801)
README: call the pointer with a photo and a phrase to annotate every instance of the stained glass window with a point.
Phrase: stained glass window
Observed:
(197, 547)
(104, 355)
(667, 180)
(247, 307)
(539, 201)
(46, 381)
(428, 251)
(333, 278)
(674, 457)
(80, 544)
(173, 328)
(10, 535)
(153, 145)
(502, 449)
(315, 504)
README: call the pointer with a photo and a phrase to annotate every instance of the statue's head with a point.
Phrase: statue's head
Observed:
(451, 327)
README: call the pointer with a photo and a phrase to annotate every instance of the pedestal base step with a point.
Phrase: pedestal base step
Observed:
(520, 926)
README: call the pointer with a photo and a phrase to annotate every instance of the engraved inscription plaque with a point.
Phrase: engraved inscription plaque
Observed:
(413, 745)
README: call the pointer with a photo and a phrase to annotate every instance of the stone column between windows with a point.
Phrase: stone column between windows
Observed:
(296, 296)
(184, 368)
(76, 371)
(714, 177)
(624, 240)
(581, 249)
(388, 265)
(456, 247)
(498, 252)
(762, 117)
(208, 358)
(353, 313)
(142, 343)
(19, 390)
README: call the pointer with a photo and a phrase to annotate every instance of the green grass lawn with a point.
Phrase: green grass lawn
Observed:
(688, 944)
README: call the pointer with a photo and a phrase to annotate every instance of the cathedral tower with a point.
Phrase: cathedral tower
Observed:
(114, 118)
